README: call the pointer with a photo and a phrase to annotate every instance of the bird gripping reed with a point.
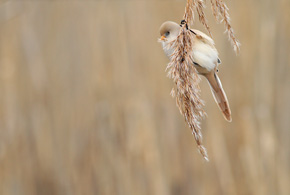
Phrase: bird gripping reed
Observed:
(184, 74)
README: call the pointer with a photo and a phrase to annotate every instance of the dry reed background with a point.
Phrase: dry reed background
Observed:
(85, 105)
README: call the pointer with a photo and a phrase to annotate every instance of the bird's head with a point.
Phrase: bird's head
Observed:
(169, 31)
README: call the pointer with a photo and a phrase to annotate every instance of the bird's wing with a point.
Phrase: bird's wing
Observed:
(205, 50)
(205, 38)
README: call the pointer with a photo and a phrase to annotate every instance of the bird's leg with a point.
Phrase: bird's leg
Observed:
(182, 22)
(192, 31)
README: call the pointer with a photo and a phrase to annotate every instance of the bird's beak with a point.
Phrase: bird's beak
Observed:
(162, 38)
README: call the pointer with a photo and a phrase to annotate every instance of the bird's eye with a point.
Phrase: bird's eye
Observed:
(167, 33)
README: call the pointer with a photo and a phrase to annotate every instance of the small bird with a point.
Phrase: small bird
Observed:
(205, 60)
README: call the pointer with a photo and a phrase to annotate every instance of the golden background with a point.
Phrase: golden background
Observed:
(85, 105)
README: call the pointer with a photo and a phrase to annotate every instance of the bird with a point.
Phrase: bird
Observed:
(205, 59)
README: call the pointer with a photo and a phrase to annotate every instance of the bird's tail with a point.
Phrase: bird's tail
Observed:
(219, 95)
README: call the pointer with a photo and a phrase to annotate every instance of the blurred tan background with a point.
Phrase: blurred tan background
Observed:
(85, 105)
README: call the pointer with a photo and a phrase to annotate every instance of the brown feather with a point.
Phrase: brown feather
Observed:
(219, 94)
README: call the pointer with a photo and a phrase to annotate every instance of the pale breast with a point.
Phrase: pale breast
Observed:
(167, 49)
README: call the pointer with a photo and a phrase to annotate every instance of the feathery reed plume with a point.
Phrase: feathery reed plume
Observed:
(219, 8)
(184, 74)
(201, 15)
(189, 11)
(187, 91)
(214, 10)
